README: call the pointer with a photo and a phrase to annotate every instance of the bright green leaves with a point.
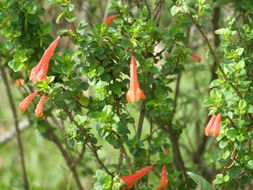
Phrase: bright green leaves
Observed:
(174, 10)
(81, 120)
(61, 2)
(30, 7)
(66, 63)
(20, 59)
(220, 178)
(200, 181)
(110, 126)
(67, 10)
(103, 181)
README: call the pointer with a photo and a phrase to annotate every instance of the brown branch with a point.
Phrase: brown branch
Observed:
(204, 139)
(16, 123)
(66, 156)
(120, 161)
(158, 10)
(148, 8)
(128, 160)
(80, 155)
(176, 151)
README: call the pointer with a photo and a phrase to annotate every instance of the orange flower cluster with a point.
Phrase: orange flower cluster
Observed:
(26, 102)
(39, 73)
(213, 126)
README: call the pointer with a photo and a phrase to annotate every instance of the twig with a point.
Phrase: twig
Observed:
(147, 5)
(141, 119)
(158, 10)
(106, 10)
(16, 123)
(80, 155)
(215, 58)
(204, 139)
(71, 165)
(120, 161)
(12, 133)
(128, 160)
(91, 146)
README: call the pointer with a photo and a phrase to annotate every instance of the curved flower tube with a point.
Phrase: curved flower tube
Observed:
(130, 180)
(25, 103)
(39, 72)
(134, 93)
(40, 106)
(109, 20)
(164, 179)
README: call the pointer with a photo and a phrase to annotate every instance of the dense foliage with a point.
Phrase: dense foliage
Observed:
(82, 94)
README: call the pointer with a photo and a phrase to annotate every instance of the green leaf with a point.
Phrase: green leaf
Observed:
(223, 144)
(239, 51)
(250, 164)
(80, 119)
(174, 10)
(205, 185)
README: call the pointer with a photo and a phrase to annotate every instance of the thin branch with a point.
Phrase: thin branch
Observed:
(120, 161)
(158, 10)
(106, 10)
(6, 137)
(128, 160)
(16, 123)
(141, 119)
(215, 58)
(147, 5)
(70, 163)
(91, 146)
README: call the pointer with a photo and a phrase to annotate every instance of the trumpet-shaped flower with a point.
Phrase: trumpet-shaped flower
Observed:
(197, 58)
(39, 72)
(164, 179)
(19, 82)
(40, 106)
(25, 103)
(134, 93)
(109, 20)
(130, 180)
(213, 126)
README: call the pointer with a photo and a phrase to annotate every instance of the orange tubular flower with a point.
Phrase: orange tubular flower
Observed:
(166, 151)
(19, 82)
(130, 180)
(216, 126)
(134, 93)
(39, 72)
(197, 58)
(164, 179)
(25, 103)
(213, 126)
(109, 20)
(209, 125)
(40, 106)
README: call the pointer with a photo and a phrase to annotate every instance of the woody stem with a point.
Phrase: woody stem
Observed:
(16, 124)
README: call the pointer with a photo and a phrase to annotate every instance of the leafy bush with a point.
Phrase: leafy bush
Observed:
(143, 77)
